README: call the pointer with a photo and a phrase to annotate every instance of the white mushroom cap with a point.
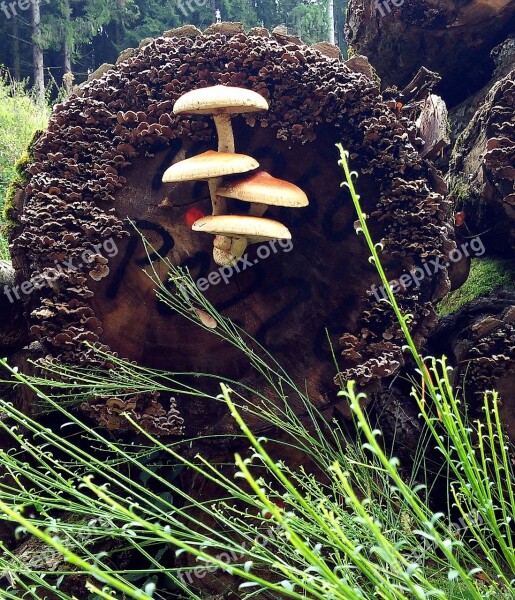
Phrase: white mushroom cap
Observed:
(262, 188)
(255, 229)
(209, 165)
(220, 100)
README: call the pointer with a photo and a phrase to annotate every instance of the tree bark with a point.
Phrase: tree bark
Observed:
(451, 37)
(13, 330)
(331, 22)
(37, 51)
(15, 48)
(118, 24)
(482, 171)
(432, 126)
(68, 73)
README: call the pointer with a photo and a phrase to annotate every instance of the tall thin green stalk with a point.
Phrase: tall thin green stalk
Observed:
(346, 526)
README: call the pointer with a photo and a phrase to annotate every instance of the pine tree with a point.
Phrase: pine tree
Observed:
(266, 12)
(70, 26)
(154, 17)
(240, 10)
(37, 50)
(308, 19)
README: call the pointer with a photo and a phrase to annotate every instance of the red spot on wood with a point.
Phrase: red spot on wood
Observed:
(193, 214)
(459, 217)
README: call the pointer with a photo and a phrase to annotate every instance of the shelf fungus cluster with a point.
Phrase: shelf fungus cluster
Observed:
(100, 165)
(233, 233)
(479, 342)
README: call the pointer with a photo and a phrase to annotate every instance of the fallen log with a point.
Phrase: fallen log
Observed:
(482, 171)
(479, 342)
(451, 37)
(101, 163)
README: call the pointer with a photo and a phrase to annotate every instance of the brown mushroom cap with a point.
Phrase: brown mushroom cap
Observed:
(243, 226)
(262, 188)
(209, 165)
(220, 100)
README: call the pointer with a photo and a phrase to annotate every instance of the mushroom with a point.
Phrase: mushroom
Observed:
(263, 190)
(221, 102)
(210, 166)
(239, 229)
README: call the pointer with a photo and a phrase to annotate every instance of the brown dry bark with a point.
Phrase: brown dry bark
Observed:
(452, 37)
(482, 170)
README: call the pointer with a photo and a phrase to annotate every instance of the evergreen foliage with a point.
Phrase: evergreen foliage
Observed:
(93, 32)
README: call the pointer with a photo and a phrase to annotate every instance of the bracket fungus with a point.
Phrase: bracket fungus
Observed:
(100, 165)
(221, 102)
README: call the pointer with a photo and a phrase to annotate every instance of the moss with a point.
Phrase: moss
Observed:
(448, 127)
(21, 166)
(18, 182)
(486, 274)
(15, 185)
(460, 140)
(459, 191)
(33, 140)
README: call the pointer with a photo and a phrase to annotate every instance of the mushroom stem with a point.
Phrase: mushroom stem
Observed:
(225, 133)
(257, 210)
(221, 257)
(228, 257)
(218, 202)
(238, 247)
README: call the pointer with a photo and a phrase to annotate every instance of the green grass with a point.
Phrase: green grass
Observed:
(346, 526)
(4, 248)
(486, 275)
(20, 117)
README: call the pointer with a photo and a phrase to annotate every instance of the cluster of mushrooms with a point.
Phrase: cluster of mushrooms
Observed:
(233, 233)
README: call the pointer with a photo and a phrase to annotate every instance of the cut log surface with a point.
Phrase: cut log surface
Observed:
(101, 163)
(452, 37)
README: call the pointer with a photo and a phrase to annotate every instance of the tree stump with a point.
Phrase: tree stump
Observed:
(13, 329)
(503, 57)
(101, 162)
